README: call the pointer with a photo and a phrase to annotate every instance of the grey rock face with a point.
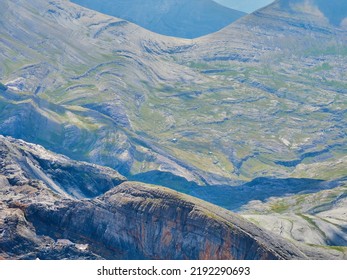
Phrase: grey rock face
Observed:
(19, 240)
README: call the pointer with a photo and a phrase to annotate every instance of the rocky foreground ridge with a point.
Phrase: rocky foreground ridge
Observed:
(54, 208)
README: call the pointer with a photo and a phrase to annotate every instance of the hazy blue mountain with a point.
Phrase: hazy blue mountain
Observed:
(178, 18)
(247, 6)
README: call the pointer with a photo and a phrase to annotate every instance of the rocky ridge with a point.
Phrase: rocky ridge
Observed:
(130, 221)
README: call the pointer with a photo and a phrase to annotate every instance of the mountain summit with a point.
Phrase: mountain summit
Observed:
(177, 18)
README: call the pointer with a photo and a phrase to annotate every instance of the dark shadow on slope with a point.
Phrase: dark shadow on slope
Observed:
(338, 239)
(165, 179)
(234, 197)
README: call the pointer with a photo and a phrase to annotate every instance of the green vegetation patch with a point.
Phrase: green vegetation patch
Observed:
(279, 207)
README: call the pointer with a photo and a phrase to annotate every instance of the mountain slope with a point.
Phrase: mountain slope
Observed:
(22, 162)
(107, 84)
(288, 59)
(177, 18)
(210, 101)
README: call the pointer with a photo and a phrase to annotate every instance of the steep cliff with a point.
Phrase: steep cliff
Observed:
(136, 220)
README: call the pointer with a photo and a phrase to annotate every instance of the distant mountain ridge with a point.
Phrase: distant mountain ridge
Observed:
(177, 18)
(247, 6)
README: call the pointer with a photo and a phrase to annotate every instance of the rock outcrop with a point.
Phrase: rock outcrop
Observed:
(135, 221)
